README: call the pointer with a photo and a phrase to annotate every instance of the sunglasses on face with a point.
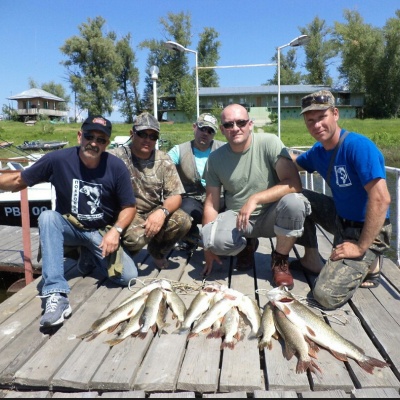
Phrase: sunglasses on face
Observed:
(144, 135)
(206, 129)
(92, 138)
(240, 123)
(323, 100)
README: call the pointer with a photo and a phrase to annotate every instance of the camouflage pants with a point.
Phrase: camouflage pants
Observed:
(339, 280)
(176, 226)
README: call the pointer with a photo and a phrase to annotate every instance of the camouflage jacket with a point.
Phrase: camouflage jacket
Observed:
(153, 180)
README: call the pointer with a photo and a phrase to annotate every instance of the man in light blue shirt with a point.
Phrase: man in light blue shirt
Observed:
(190, 159)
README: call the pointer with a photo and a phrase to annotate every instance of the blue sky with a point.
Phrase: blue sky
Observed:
(32, 32)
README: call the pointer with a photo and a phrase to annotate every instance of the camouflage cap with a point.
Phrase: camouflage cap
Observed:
(207, 120)
(146, 121)
(97, 123)
(321, 100)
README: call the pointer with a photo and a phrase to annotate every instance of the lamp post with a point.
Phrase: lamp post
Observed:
(154, 76)
(299, 41)
(178, 47)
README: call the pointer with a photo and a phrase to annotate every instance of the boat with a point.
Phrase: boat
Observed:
(42, 145)
(5, 144)
(41, 197)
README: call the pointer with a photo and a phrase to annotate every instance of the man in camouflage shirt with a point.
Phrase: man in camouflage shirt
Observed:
(159, 222)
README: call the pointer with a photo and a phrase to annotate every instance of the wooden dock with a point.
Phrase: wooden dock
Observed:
(56, 364)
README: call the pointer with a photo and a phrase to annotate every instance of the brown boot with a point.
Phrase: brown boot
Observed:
(280, 270)
(245, 259)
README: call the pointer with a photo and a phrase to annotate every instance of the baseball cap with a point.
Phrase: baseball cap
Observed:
(146, 121)
(207, 120)
(97, 123)
(321, 100)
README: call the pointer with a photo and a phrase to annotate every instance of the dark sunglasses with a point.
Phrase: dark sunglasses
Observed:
(144, 135)
(91, 138)
(323, 100)
(240, 123)
(207, 129)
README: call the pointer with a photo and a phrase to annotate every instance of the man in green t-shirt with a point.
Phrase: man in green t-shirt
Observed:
(262, 197)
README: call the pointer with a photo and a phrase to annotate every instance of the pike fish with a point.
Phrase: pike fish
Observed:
(320, 332)
(218, 310)
(267, 329)
(176, 305)
(295, 343)
(150, 313)
(111, 321)
(198, 306)
(250, 309)
(159, 283)
(130, 329)
(230, 329)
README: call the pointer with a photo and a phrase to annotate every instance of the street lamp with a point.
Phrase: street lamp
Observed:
(178, 47)
(299, 41)
(154, 76)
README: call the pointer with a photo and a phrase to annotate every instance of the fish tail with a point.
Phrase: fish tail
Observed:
(227, 345)
(85, 335)
(142, 335)
(369, 363)
(93, 336)
(192, 335)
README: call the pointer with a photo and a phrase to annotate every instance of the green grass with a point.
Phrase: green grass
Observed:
(385, 133)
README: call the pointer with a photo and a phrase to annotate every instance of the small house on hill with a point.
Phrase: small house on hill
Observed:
(35, 102)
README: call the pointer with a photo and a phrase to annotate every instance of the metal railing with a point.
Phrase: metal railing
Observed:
(316, 182)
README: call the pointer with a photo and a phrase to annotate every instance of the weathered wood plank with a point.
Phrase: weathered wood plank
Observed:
(376, 393)
(132, 394)
(275, 394)
(39, 370)
(200, 367)
(329, 394)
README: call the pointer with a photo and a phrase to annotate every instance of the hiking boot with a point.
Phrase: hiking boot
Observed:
(57, 308)
(245, 259)
(280, 270)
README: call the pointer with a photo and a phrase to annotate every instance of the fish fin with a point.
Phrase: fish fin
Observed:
(310, 332)
(315, 367)
(302, 366)
(313, 348)
(288, 352)
(339, 356)
(227, 345)
(113, 342)
(369, 363)
(285, 310)
(191, 335)
(111, 329)
(93, 336)
(142, 335)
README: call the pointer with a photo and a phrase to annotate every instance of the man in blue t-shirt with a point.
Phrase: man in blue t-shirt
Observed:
(95, 202)
(357, 214)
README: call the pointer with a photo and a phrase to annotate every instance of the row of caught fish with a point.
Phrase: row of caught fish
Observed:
(303, 332)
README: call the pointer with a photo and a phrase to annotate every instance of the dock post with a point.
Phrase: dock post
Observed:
(26, 236)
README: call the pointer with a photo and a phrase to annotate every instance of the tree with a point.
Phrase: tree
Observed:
(93, 65)
(288, 63)
(208, 56)
(186, 98)
(127, 95)
(319, 51)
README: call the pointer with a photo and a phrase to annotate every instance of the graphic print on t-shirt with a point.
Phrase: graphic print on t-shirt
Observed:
(342, 177)
(86, 200)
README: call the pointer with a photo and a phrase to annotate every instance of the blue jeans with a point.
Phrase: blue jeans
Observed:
(55, 232)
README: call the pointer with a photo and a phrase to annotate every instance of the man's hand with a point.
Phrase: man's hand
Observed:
(245, 213)
(154, 223)
(347, 249)
(110, 242)
(210, 257)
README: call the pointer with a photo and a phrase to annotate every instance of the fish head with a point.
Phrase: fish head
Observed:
(280, 295)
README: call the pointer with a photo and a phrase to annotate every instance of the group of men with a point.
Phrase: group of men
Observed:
(112, 203)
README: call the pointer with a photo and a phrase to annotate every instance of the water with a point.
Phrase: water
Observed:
(6, 280)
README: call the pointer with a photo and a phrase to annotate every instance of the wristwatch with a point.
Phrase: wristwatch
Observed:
(165, 211)
(118, 229)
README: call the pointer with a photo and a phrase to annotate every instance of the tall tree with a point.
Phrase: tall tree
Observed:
(173, 65)
(319, 50)
(208, 56)
(288, 65)
(92, 66)
(127, 95)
